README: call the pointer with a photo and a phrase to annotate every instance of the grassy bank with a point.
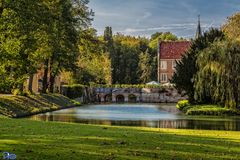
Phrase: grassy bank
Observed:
(205, 109)
(50, 140)
(18, 106)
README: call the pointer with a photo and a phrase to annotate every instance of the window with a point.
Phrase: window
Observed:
(173, 64)
(164, 77)
(163, 64)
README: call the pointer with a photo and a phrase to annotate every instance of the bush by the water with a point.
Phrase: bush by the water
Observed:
(213, 110)
(76, 103)
(182, 104)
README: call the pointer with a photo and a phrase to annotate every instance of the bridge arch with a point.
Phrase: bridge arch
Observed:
(108, 98)
(120, 98)
(132, 98)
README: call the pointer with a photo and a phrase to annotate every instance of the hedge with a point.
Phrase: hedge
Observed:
(210, 110)
(73, 91)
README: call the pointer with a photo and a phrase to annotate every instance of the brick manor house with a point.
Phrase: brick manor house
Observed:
(169, 52)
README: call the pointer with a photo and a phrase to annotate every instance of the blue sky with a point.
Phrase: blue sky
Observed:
(144, 17)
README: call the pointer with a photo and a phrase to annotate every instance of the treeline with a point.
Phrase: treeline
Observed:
(119, 59)
(39, 35)
(55, 37)
(209, 73)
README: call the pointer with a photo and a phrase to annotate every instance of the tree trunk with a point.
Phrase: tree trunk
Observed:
(30, 83)
(21, 87)
(51, 83)
(52, 76)
(45, 78)
(235, 94)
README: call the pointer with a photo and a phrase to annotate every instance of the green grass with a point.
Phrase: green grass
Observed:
(31, 140)
(18, 106)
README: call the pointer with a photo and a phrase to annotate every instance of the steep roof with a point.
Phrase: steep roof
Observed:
(173, 50)
(199, 29)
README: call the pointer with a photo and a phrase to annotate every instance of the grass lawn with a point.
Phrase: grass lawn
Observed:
(62, 141)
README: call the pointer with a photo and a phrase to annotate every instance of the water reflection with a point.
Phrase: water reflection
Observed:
(155, 116)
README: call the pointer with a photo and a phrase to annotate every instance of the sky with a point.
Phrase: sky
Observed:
(145, 17)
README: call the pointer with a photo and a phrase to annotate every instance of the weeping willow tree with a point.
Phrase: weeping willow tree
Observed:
(218, 75)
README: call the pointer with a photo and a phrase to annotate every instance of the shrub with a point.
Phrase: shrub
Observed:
(16, 92)
(182, 104)
(73, 91)
(76, 103)
(210, 111)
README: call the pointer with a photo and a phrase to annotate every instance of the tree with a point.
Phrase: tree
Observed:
(218, 73)
(126, 58)
(93, 63)
(159, 36)
(186, 69)
(108, 38)
(231, 28)
(145, 68)
(20, 21)
(68, 18)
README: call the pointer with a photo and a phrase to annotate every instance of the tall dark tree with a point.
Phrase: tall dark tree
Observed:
(126, 58)
(145, 68)
(186, 69)
(108, 38)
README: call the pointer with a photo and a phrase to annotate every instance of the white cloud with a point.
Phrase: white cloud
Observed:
(106, 14)
(142, 18)
(169, 27)
(161, 28)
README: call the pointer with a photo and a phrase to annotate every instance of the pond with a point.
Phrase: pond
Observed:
(144, 115)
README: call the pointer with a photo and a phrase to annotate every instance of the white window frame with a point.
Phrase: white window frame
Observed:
(164, 65)
(164, 77)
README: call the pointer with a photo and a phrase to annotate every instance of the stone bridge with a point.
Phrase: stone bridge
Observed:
(118, 95)
(133, 95)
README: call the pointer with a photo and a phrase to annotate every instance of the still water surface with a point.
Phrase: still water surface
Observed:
(145, 115)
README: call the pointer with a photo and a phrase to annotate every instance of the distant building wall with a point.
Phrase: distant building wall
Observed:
(168, 54)
(38, 79)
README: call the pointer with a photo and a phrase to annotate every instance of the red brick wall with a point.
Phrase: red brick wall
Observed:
(169, 71)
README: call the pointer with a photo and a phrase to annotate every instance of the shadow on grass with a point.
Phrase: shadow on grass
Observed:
(57, 99)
